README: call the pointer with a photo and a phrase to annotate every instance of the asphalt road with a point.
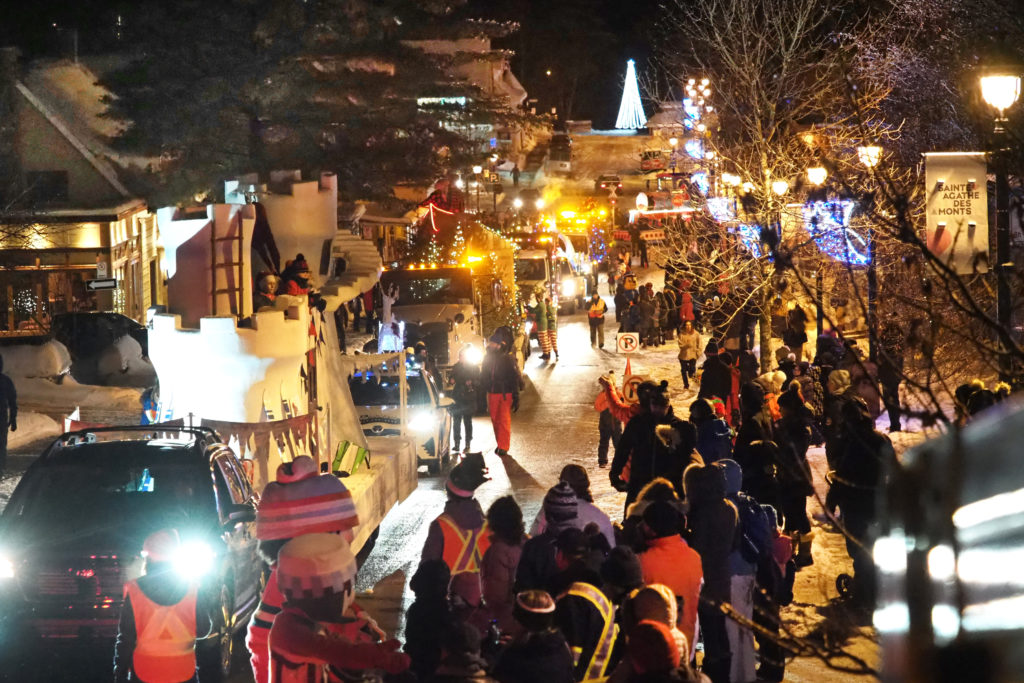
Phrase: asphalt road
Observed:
(556, 425)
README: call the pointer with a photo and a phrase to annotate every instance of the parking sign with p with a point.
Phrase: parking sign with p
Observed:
(627, 342)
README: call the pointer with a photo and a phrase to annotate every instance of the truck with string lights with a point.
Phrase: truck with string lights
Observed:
(457, 301)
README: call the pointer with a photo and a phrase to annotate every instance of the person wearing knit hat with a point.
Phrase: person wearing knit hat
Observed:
(459, 535)
(671, 561)
(537, 564)
(299, 501)
(540, 652)
(295, 279)
(311, 638)
(793, 436)
(621, 573)
(586, 512)
(157, 602)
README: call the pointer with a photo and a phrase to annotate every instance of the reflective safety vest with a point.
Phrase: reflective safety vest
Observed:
(463, 549)
(597, 310)
(165, 637)
(596, 667)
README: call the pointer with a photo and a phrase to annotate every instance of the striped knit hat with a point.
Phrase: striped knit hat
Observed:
(316, 566)
(302, 502)
(560, 504)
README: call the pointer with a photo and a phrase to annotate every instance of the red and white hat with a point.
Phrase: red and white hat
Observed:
(316, 566)
(303, 502)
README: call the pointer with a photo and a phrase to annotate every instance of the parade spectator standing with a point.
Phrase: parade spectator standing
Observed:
(858, 478)
(712, 522)
(586, 512)
(537, 564)
(890, 369)
(8, 413)
(669, 560)
(465, 393)
(793, 436)
(299, 501)
(639, 446)
(795, 335)
(754, 545)
(713, 439)
(716, 378)
(608, 425)
(162, 617)
(775, 583)
(540, 653)
(749, 451)
(499, 377)
(498, 572)
(595, 316)
(461, 661)
(312, 639)
(689, 342)
(459, 535)
(429, 618)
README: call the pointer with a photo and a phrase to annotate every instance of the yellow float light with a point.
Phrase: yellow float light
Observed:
(568, 214)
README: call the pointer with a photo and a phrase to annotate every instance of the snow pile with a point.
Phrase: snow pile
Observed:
(122, 364)
(116, 405)
(32, 427)
(49, 360)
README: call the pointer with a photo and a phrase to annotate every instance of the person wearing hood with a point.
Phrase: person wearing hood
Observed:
(540, 652)
(647, 455)
(459, 535)
(755, 428)
(8, 413)
(670, 560)
(754, 546)
(429, 618)
(712, 526)
(716, 378)
(537, 564)
(653, 602)
(499, 378)
(793, 436)
(609, 427)
(498, 571)
(714, 439)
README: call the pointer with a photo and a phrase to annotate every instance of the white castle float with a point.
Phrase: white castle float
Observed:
(273, 382)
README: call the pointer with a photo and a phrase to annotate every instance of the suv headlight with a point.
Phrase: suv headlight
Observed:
(422, 422)
(194, 559)
(6, 567)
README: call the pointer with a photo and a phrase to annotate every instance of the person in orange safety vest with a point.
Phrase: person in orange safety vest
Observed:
(459, 536)
(161, 619)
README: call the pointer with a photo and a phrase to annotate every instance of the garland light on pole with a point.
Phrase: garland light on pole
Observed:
(631, 111)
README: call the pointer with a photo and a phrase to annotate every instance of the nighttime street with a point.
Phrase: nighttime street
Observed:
(510, 341)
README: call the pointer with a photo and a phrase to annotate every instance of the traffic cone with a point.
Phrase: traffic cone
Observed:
(627, 373)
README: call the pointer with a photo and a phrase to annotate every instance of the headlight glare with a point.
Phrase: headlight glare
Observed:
(6, 567)
(474, 355)
(422, 422)
(568, 288)
(194, 559)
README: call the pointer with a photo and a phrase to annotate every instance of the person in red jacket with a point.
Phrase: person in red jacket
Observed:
(499, 378)
(311, 640)
(300, 501)
(161, 619)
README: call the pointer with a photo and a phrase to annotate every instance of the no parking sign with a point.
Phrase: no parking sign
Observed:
(629, 387)
(627, 342)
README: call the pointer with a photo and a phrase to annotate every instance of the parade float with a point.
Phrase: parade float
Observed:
(273, 382)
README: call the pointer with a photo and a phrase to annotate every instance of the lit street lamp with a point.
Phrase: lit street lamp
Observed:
(1000, 89)
(869, 156)
(477, 170)
(816, 175)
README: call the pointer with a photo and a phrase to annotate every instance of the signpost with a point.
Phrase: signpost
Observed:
(100, 284)
(627, 342)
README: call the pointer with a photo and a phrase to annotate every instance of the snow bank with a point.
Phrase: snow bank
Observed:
(42, 395)
(32, 427)
(49, 360)
(122, 364)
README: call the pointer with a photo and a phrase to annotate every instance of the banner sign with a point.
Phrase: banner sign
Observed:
(957, 227)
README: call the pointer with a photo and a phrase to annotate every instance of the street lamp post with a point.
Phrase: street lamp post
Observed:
(816, 176)
(477, 170)
(869, 156)
(1000, 90)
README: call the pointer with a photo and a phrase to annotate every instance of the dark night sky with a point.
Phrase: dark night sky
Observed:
(603, 34)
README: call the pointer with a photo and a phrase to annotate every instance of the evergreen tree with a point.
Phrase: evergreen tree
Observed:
(219, 89)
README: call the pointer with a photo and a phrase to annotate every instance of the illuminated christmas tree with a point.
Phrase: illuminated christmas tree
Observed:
(631, 111)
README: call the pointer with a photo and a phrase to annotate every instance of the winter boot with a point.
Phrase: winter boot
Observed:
(803, 554)
(455, 448)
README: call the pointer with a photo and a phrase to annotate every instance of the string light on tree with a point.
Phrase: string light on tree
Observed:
(631, 111)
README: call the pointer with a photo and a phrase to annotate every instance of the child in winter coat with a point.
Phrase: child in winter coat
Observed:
(608, 426)
(429, 618)
(317, 574)
(540, 653)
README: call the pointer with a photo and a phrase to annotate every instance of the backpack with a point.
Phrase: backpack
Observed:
(755, 530)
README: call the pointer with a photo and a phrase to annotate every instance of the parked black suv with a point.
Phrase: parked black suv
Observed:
(72, 533)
